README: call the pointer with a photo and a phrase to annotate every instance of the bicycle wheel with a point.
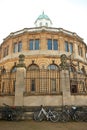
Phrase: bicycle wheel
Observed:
(64, 117)
(78, 116)
(54, 116)
(38, 116)
(9, 117)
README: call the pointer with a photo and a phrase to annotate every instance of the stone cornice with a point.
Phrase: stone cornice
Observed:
(43, 28)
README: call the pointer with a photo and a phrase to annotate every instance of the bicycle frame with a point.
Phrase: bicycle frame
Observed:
(44, 112)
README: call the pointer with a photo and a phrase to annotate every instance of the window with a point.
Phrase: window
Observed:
(31, 44)
(14, 84)
(33, 67)
(47, 24)
(71, 48)
(5, 51)
(34, 44)
(72, 69)
(53, 67)
(53, 85)
(55, 45)
(20, 46)
(3, 87)
(14, 69)
(83, 70)
(66, 46)
(52, 44)
(80, 51)
(17, 47)
(73, 88)
(49, 44)
(40, 23)
(3, 71)
(33, 85)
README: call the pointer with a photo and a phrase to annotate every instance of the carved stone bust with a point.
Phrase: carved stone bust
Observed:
(63, 65)
(21, 61)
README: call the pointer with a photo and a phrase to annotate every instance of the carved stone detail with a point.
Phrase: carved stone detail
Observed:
(64, 65)
(21, 61)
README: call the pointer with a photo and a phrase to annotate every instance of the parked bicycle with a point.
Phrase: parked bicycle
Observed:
(82, 114)
(49, 115)
(11, 113)
(69, 114)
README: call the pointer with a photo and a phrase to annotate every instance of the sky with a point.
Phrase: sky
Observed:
(67, 14)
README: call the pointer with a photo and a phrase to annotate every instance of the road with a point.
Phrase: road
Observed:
(45, 125)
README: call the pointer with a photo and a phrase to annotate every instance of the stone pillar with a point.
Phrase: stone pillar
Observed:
(65, 87)
(20, 82)
(64, 80)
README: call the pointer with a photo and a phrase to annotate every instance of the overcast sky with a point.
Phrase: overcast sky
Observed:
(68, 14)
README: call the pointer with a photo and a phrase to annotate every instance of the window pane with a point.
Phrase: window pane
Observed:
(31, 45)
(55, 44)
(53, 85)
(7, 50)
(49, 44)
(3, 87)
(40, 23)
(73, 88)
(81, 52)
(33, 85)
(66, 47)
(53, 67)
(15, 47)
(33, 67)
(14, 69)
(71, 47)
(14, 84)
(19, 46)
(37, 44)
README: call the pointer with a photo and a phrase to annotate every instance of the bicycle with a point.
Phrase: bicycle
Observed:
(69, 114)
(42, 114)
(82, 114)
(11, 113)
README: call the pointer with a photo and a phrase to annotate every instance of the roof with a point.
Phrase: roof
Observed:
(43, 16)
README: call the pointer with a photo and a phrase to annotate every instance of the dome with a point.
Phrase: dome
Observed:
(43, 16)
(43, 20)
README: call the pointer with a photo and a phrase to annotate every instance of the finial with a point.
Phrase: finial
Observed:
(43, 12)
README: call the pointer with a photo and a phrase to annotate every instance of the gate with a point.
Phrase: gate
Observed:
(78, 83)
(42, 82)
(7, 83)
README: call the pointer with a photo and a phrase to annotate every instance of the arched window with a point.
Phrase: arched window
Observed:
(53, 67)
(47, 24)
(32, 73)
(40, 23)
(3, 71)
(72, 69)
(83, 70)
(14, 69)
(33, 67)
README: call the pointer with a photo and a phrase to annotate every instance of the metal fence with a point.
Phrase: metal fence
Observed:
(42, 82)
(7, 83)
(78, 83)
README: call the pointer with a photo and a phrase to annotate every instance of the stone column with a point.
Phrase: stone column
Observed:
(20, 82)
(65, 87)
(65, 80)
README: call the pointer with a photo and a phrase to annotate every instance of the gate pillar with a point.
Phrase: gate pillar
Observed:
(20, 82)
(65, 80)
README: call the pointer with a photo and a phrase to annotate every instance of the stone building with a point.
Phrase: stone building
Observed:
(43, 65)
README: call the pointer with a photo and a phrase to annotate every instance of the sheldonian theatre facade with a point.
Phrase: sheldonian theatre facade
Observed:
(43, 65)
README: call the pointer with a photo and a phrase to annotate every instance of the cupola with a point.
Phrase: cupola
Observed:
(43, 20)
